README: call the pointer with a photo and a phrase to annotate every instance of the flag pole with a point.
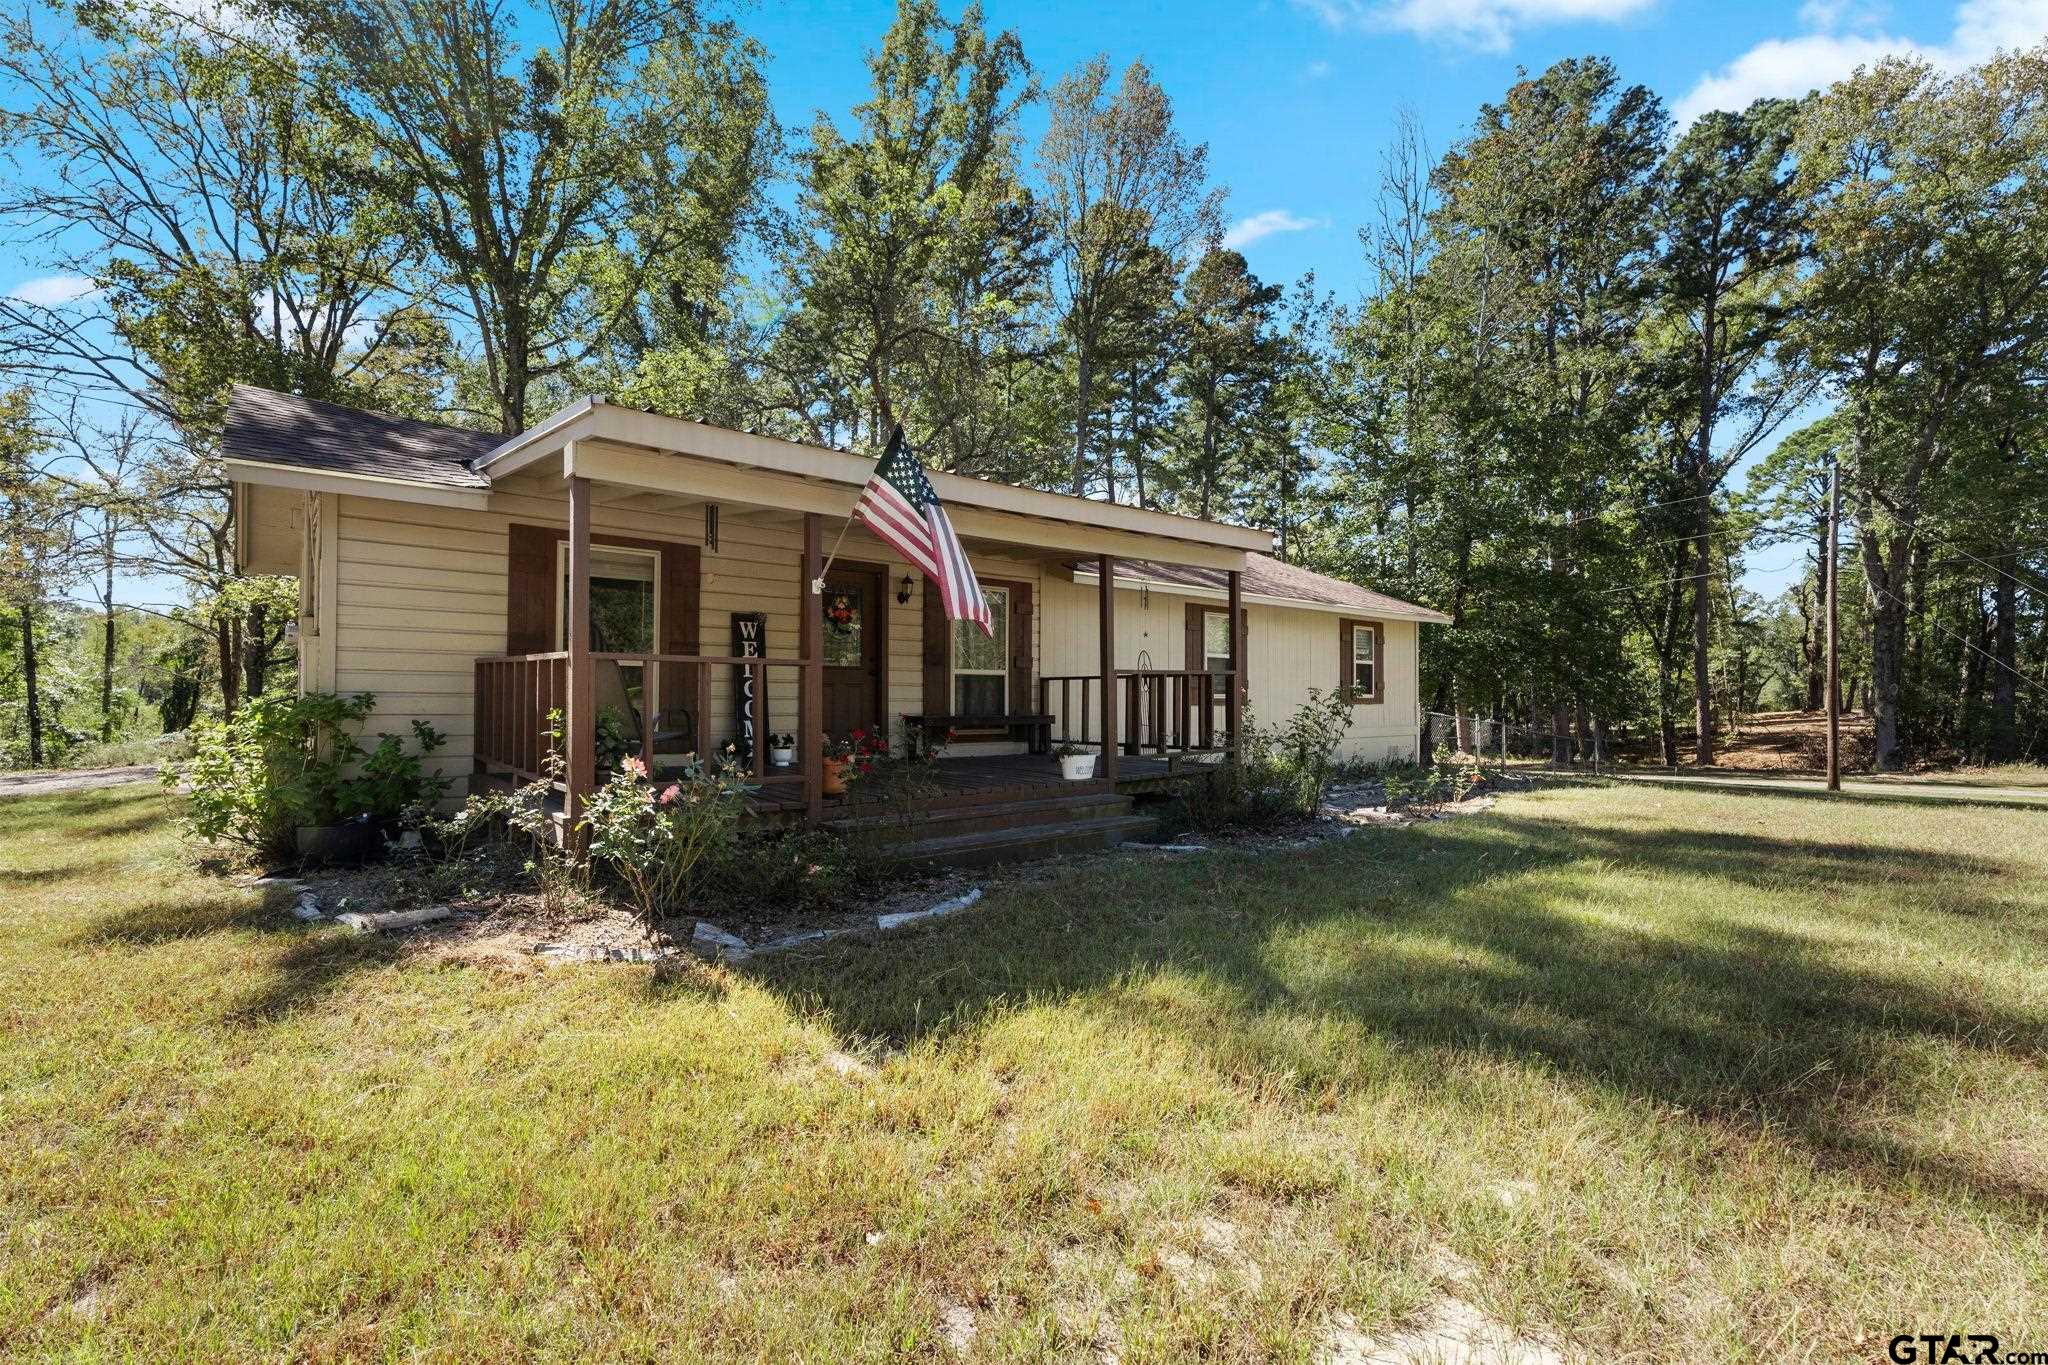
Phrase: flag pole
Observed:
(818, 583)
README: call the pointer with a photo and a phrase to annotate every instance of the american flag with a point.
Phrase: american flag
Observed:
(900, 506)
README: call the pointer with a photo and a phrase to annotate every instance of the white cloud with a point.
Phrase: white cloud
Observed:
(1789, 67)
(1245, 231)
(1316, 70)
(52, 291)
(1486, 24)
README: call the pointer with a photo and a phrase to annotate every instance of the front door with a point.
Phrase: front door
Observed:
(855, 633)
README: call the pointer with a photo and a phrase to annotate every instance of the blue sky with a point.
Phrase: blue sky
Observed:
(1296, 98)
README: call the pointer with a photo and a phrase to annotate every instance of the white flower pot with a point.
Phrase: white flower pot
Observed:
(1077, 767)
(781, 758)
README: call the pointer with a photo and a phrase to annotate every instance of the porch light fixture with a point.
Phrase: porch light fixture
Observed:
(903, 592)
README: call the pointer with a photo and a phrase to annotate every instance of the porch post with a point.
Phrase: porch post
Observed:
(1233, 702)
(811, 649)
(582, 736)
(1105, 571)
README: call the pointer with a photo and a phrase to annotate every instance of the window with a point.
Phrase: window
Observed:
(1216, 641)
(1364, 648)
(981, 663)
(623, 602)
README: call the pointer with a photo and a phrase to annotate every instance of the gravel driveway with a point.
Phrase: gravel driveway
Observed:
(50, 782)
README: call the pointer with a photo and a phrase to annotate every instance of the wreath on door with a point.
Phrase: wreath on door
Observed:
(840, 609)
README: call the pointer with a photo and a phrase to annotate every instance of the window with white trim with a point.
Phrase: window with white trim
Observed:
(1364, 654)
(981, 663)
(624, 602)
(1216, 641)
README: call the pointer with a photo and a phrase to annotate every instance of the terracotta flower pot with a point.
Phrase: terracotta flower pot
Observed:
(835, 776)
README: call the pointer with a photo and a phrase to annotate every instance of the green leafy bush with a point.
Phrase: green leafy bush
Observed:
(1426, 788)
(652, 837)
(1285, 773)
(792, 871)
(280, 763)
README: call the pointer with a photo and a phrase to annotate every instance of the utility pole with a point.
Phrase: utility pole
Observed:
(1834, 653)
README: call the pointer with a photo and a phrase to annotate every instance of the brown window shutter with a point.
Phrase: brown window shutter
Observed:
(1379, 661)
(1197, 656)
(1244, 665)
(1021, 701)
(1344, 654)
(682, 583)
(938, 654)
(530, 589)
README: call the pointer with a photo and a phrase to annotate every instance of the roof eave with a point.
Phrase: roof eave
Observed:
(594, 419)
(266, 473)
(1403, 611)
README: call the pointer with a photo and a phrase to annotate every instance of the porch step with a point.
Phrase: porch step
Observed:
(988, 848)
(1057, 809)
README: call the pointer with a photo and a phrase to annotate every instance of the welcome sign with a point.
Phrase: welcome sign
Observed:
(749, 640)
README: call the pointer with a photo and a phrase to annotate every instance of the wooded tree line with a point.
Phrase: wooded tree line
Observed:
(1583, 321)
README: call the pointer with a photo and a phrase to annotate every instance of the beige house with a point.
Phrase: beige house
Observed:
(645, 575)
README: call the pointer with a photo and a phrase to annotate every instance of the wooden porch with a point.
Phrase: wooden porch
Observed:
(1151, 728)
(996, 780)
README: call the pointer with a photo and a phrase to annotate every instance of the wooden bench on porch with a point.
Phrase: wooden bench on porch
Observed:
(1035, 730)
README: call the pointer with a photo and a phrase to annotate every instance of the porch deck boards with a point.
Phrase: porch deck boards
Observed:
(993, 780)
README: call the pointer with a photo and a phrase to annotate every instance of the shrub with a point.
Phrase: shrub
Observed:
(793, 870)
(653, 839)
(1425, 789)
(1285, 773)
(278, 763)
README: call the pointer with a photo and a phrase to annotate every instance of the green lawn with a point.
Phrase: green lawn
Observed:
(1681, 1075)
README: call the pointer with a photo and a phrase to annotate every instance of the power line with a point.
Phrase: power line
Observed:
(1687, 578)
(1932, 621)
(1951, 545)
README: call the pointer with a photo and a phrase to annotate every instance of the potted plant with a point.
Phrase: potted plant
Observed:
(782, 750)
(1076, 763)
(849, 758)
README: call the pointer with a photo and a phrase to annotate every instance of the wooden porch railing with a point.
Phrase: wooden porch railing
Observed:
(1163, 710)
(516, 692)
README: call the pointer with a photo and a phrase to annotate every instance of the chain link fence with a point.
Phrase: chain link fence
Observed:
(1501, 741)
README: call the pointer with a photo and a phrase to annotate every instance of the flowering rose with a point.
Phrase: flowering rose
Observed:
(668, 798)
(634, 766)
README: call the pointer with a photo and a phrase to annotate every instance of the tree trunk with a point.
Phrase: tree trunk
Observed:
(230, 666)
(1084, 404)
(2005, 727)
(1816, 663)
(34, 705)
(255, 652)
(1702, 616)
(107, 653)
(1560, 735)
(1887, 648)
(1137, 438)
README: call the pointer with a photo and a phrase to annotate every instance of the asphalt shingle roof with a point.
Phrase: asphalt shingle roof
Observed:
(277, 428)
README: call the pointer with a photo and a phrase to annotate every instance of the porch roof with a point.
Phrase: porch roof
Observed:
(1268, 581)
(278, 439)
